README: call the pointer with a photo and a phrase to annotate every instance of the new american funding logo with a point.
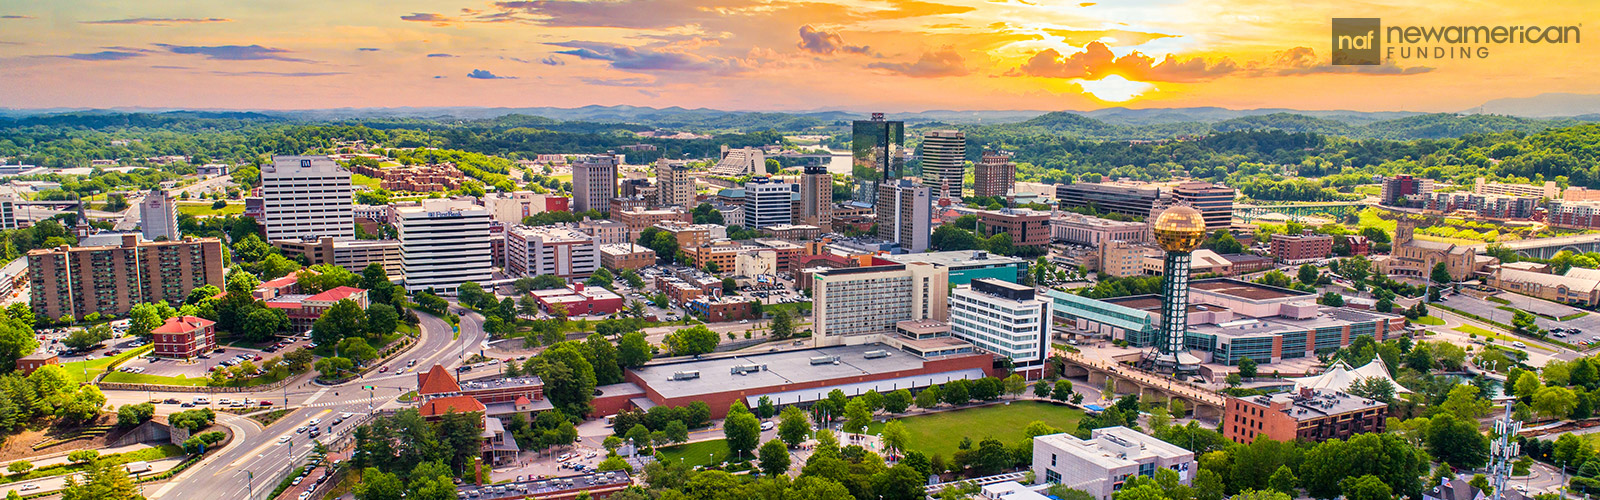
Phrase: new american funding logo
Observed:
(1366, 41)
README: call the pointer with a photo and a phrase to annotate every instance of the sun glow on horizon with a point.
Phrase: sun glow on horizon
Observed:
(1115, 88)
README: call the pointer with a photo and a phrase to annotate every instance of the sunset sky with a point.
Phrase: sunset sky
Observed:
(889, 55)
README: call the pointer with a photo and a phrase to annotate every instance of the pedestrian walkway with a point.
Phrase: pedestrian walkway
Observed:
(61, 458)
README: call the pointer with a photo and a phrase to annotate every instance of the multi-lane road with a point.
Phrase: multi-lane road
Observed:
(259, 452)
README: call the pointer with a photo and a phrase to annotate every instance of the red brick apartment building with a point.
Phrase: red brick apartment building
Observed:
(184, 337)
(1308, 414)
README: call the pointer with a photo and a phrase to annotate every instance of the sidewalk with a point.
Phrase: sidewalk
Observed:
(61, 458)
(54, 483)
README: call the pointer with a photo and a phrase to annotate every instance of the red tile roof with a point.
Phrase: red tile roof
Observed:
(436, 381)
(459, 404)
(522, 400)
(280, 282)
(335, 295)
(183, 324)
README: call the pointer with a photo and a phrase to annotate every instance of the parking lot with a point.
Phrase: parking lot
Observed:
(201, 367)
(1589, 324)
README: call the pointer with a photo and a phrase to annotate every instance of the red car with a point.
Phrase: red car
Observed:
(266, 403)
(383, 370)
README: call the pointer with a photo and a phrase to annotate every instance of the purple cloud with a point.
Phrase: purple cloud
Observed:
(160, 21)
(482, 74)
(441, 54)
(945, 62)
(646, 58)
(14, 16)
(818, 41)
(107, 55)
(553, 61)
(429, 17)
(233, 52)
(276, 73)
(369, 49)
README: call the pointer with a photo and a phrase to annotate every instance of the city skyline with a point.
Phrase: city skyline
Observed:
(891, 55)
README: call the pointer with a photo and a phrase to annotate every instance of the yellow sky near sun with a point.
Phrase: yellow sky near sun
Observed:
(892, 55)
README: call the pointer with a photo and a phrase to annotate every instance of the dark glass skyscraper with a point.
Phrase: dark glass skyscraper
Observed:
(878, 155)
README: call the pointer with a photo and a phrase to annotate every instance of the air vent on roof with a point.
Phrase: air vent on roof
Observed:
(823, 360)
(875, 354)
(745, 369)
(686, 375)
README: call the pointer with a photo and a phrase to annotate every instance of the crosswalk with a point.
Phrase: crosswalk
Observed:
(375, 400)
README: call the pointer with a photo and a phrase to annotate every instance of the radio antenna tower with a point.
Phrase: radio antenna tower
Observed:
(1503, 450)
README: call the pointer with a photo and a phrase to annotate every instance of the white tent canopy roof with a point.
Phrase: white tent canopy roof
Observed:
(1340, 376)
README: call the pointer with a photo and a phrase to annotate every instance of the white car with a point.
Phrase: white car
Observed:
(766, 426)
(29, 487)
(314, 421)
(1518, 344)
(283, 439)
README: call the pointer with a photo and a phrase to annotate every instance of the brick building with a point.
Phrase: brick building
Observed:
(111, 279)
(578, 300)
(1027, 227)
(184, 337)
(637, 220)
(304, 310)
(720, 309)
(435, 178)
(1299, 248)
(626, 256)
(995, 175)
(1307, 415)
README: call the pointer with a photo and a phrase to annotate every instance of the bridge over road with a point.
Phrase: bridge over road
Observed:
(1544, 248)
(1205, 404)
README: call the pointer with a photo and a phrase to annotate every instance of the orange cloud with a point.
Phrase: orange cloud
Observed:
(942, 63)
(1096, 62)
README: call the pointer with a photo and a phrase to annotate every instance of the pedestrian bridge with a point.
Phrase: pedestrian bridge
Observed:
(1205, 404)
(1544, 248)
(1298, 211)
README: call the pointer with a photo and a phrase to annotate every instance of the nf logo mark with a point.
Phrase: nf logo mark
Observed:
(1357, 41)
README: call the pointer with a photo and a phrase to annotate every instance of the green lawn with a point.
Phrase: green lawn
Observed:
(362, 180)
(140, 378)
(697, 453)
(235, 207)
(941, 433)
(1369, 218)
(1497, 336)
(1428, 320)
(84, 371)
(1573, 316)
(143, 455)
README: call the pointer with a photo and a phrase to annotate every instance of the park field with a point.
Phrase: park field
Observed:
(941, 433)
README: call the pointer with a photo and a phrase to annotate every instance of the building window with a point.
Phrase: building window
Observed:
(1052, 477)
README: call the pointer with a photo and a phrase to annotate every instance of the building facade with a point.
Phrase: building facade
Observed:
(638, 220)
(905, 214)
(158, 216)
(816, 197)
(1111, 456)
(674, 184)
(619, 256)
(995, 176)
(1214, 201)
(1003, 318)
(877, 153)
(1548, 190)
(184, 337)
(605, 231)
(594, 184)
(944, 162)
(1135, 199)
(1405, 190)
(1413, 257)
(111, 279)
(443, 243)
(1312, 415)
(354, 255)
(768, 202)
(554, 250)
(1301, 248)
(862, 304)
(1079, 229)
(513, 207)
(1026, 227)
(307, 196)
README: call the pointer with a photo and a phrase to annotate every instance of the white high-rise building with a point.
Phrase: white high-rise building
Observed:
(944, 162)
(858, 305)
(594, 184)
(443, 243)
(307, 197)
(905, 214)
(1003, 318)
(555, 250)
(674, 184)
(768, 202)
(158, 216)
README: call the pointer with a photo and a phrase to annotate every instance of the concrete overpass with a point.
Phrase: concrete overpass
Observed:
(1205, 404)
(1298, 211)
(1544, 248)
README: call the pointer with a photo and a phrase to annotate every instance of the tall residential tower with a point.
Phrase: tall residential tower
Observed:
(594, 184)
(307, 197)
(944, 162)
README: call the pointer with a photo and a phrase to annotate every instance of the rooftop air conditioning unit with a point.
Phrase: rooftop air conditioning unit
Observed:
(875, 354)
(686, 375)
(823, 360)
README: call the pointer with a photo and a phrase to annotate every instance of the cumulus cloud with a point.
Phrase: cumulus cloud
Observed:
(441, 54)
(1096, 62)
(649, 58)
(944, 62)
(482, 74)
(818, 41)
(430, 17)
(553, 61)
(160, 21)
(107, 55)
(1304, 61)
(233, 52)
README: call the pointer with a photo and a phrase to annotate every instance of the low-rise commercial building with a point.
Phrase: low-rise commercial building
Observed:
(1026, 227)
(555, 250)
(354, 255)
(1579, 286)
(1305, 415)
(1079, 229)
(27, 364)
(579, 300)
(1110, 457)
(606, 231)
(304, 310)
(617, 257)
(637, 220)
(793, 232)
(720, 309)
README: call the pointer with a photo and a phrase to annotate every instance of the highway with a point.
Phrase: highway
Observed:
(257, 450)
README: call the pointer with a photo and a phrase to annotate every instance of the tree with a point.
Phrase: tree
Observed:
(1041, 389)
(1390, 458)
(895, 436)
(131, 415)
(261, 324)
(1283, 480)
(764, 407)
(1015, 385)
(677, 431)
(856, 416)
(792, 426)
(1368, 487)
(897, 401)
(633, 350)
(1247, 367)
(1062, 391)
(1522, 323)
(343, 319)
(1208, 485)
(382, 319)
(1307, 274)
(1527, 384)
(1377, 388)
(1440, 274)
(694, 340)
(569, 377)
(83, 456)
(782, 325)
(774, 458)
(378, 485)
(928, 398)
(1457, 441)
(955, 392)
(1331, 299)
(742, 431)
(144, 318)
(1555, 402)
(1464, 403)
(604, 358)
(357, 349)
(101, 481)
(901, 482)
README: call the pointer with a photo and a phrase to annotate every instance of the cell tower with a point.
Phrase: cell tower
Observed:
(1503, 450)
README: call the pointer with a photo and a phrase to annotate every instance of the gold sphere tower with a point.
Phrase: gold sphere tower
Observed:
(1179, 230)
